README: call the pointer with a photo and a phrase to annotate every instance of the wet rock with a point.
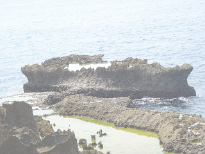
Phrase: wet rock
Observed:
(87, 147)
(94, 144)
(132, 77)
(44, 126)
(82, 141)
(93, 137)
(20, 114)
(100, 145)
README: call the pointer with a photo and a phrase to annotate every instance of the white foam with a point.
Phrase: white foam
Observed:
(180, 116)
(75, 67)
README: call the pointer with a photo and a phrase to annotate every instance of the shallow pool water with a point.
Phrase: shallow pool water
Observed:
(116, 141)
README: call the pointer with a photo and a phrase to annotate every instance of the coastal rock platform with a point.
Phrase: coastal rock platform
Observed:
(177, 132)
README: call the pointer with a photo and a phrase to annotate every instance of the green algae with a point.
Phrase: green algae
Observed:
(131, 130)
(41, 137)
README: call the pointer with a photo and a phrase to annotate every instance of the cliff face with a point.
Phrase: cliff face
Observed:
(131, 77)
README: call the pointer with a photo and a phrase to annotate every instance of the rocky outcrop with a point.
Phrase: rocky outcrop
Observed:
(176, 131)
(25, 135)
(131, 77)
(25, 141)
(58, 142)
(81, 59)
(44, 126)
(91, 152)
(53, 98)
(4, 132)
(2, 115)
(13, 145)
(20, 114)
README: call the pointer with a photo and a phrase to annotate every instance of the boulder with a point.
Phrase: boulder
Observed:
(44, 126)
(20, 114)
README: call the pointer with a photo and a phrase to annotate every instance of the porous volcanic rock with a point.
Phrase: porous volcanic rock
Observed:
(4, 132)
(25, 135)
(20, 114)
(58, 143)
(12, 145)
(53, 98)
(91, 152)
(2, 115)
(44, 126)
(176, 131)
(131, 77)
(25, 141)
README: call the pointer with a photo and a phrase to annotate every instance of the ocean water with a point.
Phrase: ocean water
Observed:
(171, 32)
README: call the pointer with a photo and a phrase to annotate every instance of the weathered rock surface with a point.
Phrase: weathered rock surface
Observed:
(44, 126)
(176, 131)
(2, 115)
(25, 141)
(91, 152)
(12, 145)
(53, 98)
(20, 114)
(131, 77)
(58, 142)
(25, 135)
(4, 132)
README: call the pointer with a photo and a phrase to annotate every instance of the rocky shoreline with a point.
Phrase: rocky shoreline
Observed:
(104, 94)
(176, 131)
(23, 133)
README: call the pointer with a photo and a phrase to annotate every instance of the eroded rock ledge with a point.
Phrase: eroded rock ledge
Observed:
(19, 133)
(131, 77)
(176, 131)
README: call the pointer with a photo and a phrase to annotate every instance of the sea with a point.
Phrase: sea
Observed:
(171, 32)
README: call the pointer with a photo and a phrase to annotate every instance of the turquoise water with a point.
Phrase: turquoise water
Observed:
(171, 32)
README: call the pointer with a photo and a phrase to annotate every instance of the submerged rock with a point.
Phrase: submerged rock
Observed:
(131, 77)
(20, 114)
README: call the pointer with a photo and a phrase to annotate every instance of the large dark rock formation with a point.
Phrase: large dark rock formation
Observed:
(25, 141)
(20, 114)
(19, 133)
(176, 131)
(131, 77)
